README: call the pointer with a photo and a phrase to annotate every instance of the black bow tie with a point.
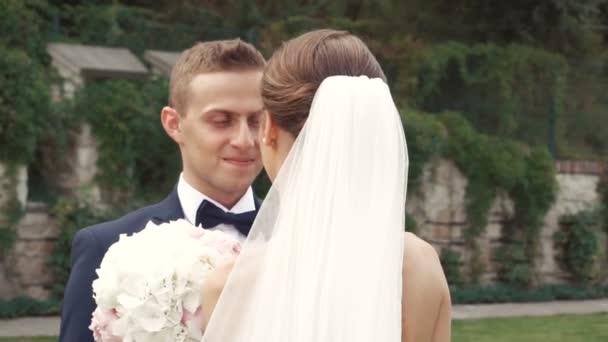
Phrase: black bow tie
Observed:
(209, 215)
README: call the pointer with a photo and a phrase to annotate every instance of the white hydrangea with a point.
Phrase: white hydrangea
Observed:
(149, 283)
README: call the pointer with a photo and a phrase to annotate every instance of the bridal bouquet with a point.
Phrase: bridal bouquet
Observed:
(149, 283)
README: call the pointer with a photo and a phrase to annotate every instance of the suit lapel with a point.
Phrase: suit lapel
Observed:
(168, 209)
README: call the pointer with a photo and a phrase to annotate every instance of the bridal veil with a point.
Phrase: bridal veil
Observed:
(323, 260)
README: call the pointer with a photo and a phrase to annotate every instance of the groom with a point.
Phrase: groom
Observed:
(213, 115)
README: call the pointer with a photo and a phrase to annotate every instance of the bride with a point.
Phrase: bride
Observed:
(327, 259)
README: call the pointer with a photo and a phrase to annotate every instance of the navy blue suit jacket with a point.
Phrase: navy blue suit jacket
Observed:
(88, 248)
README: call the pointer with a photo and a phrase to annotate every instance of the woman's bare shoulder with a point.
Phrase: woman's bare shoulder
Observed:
(416, 249)
(420, 260)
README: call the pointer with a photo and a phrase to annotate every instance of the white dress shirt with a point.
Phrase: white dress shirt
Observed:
(191, 199)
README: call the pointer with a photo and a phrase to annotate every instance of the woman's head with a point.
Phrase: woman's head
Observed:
(292, 77)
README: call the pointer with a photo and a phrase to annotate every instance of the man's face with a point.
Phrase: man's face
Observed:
(219, 133)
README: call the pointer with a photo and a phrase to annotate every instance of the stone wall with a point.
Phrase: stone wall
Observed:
(13, 184)
(439, 210)
(24, 270)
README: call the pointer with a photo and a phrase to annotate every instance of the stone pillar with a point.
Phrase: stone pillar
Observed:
(27, 264)
(74, 171)
(577, 192)
(438, 207)
(10, 186)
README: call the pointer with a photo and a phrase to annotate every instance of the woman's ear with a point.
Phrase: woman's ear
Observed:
(170, 120)
(269, 130)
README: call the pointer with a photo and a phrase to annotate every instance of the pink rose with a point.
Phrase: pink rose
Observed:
(193, 321)
(101, 325)
(197, 233)
(222, 242)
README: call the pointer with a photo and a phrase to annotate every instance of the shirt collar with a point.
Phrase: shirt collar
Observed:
(191, 199)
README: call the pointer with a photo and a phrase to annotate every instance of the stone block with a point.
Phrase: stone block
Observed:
(441, 196)
(33, 271)
(86, 164)
(414, 206)
(36, 226)
(458, 231)
(92, 62)
(493, 231)
(437, 203)
(85, 137)
(442, 232)
(546, 261)
(38, 292)
(162, 61)
(577, 187)
(553, 278)
(502, 209)
(458, 197)
(33, 248)
(8, 288)
(18, 186)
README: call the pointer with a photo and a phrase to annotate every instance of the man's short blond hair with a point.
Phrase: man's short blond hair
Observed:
(211, 56)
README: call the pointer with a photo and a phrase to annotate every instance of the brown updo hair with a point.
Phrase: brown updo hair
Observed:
(296, 70)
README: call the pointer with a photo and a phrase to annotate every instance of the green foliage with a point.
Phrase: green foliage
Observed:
(124, 116)
(566, 26)
(410, 224)
(25, 26)
(506, 91)
(175, 26)
(425, 141)
(494, 165)
(24, 98)
(24, 95)
(602, 189)
(23, 102)
(261, 185)
(11, 213)
(508, 294)
(71, 215)
(25, 306)
(502, 90)
(578, 245)
(451, 261)
(533, 195)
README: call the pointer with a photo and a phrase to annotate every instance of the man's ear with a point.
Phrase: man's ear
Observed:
(270, 130)
(170, 120)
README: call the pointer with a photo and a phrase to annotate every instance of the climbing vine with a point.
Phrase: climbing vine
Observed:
(513, 91)
(492, 166)
(577, 243)
(125, 119)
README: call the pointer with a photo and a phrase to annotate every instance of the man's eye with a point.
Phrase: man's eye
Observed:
(221, 123)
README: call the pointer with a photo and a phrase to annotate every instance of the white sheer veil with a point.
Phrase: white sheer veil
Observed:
(323, 260)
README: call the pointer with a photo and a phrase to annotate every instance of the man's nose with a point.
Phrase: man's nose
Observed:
(245, 136)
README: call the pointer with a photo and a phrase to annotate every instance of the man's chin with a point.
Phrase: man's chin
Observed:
(239, 185)
(248, 170)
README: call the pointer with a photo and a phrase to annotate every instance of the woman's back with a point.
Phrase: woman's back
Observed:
(426, 304)
(328, 243)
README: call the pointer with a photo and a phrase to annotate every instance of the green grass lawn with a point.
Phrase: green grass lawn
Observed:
(571, 328)
(28, 339)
